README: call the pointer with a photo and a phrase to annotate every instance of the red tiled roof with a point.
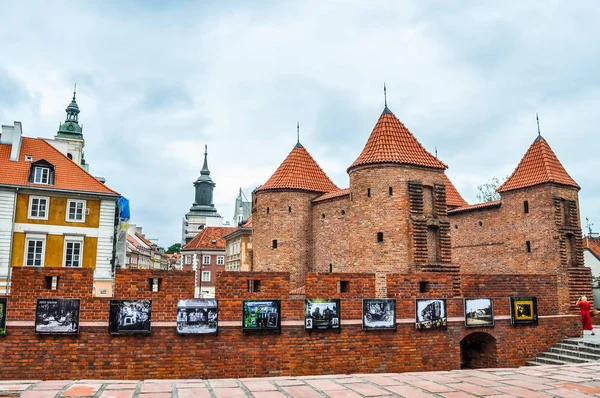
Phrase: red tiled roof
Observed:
(391, 142)
(299, 171)
(204, 240)
(143, 239)
(539, 165)
(478, 206)
(67, 174)
(593, 245)
(248, 223)
(332, 195)
(453, 198)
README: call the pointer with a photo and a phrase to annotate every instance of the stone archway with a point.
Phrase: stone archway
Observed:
(478, 350)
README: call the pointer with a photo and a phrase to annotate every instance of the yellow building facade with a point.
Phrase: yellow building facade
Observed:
(53, 213)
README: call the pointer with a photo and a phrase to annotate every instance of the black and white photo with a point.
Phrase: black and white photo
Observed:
(431, 314)
(320, 314)
(479, 312)
(199, 316)
(130, 316)
(379, 314)
(57, 316)
(3, 301)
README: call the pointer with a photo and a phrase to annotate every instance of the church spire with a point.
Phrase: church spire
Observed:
(205, 171)
(71, 128)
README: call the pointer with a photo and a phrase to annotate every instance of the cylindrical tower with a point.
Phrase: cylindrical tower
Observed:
(398, 205)
(282, 216)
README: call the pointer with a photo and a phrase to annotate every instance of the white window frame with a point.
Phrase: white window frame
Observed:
(188, 259)
(41, 175)
(205, 260)
(83, 210)
(37, 217)
(34, 237)
(205, 276)
(73, 239)
(220, 260)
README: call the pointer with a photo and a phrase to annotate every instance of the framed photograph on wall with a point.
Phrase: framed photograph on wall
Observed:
(57, 316)
(130, 316)
(479, 312)
(3, 302)
(321, 314)
(431, 314)
(198, 316)
(523, 310)
(261, 315)
(379, 314)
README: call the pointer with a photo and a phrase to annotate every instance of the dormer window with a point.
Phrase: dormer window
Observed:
(41, 175)
(41, 172)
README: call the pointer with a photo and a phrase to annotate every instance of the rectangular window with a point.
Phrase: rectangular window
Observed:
(220, 260)
(34, 252)
(205, 259)
(188, 259)
(526, 206)
(76, 210)
(274, 244)
(38, 207)
(41, 175)
(205, 276)
(73, 252)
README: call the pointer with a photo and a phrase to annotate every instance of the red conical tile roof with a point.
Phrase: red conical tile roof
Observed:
(299, 171)
(538, 166)
(391, 142)
(453, 198)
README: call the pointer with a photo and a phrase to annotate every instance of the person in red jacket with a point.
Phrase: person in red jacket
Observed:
(585, 308)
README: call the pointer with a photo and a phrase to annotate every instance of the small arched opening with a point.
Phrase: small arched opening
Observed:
(477, 351)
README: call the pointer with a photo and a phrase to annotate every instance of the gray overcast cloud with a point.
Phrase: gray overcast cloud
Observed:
(156, 81)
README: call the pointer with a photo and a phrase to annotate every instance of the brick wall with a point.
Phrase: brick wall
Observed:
(330, 232)
(494, 240)
(94, 354)
(292, 230)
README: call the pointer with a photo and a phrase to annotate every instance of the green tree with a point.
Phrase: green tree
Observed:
(174, 248)
(487, 191)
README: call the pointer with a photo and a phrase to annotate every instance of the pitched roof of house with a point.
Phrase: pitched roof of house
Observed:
(333, 195)
(299, 171)
(593, 245)
(539, 165)
(143, 239)
(239, 230)
(210, 238)
(453, 197)
(391, 142)
(67, 174)
(477, 206)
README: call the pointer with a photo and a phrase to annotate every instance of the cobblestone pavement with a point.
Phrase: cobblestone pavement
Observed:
(577, 380)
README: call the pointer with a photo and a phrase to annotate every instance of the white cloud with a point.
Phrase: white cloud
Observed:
(156, 82)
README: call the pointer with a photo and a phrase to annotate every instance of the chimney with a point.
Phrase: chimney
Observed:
(12, 135)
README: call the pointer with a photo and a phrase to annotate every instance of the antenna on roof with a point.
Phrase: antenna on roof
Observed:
(74, 90)
(436, 151)
(589, 226)
(538, 123)
(384, 95)
(298, 131)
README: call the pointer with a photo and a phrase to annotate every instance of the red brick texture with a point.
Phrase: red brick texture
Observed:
(95, 354)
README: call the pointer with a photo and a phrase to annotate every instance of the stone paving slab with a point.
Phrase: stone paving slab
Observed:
(566, 381)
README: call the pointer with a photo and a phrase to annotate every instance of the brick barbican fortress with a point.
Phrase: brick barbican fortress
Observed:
(401, 230)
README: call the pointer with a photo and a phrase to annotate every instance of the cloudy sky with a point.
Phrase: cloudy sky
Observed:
(158, 80)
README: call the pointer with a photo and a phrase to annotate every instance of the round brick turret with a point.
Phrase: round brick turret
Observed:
(282, 216)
